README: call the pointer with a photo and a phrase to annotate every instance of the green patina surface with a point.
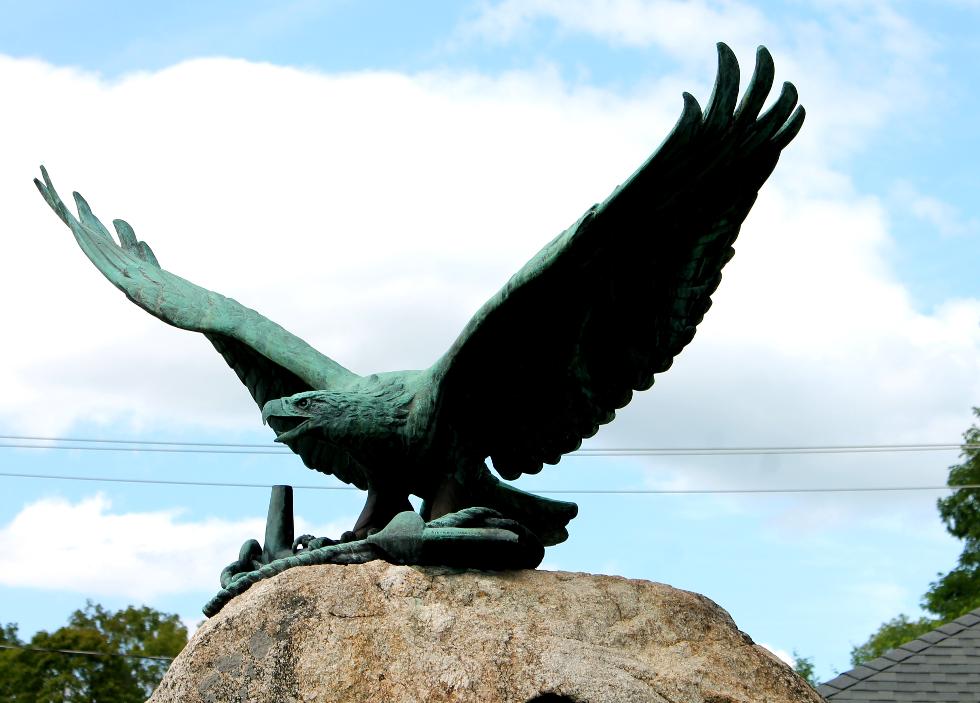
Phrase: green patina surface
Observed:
(592, 318)
(471, 538)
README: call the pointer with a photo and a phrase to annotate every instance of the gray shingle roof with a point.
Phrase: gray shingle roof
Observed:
(942, 666)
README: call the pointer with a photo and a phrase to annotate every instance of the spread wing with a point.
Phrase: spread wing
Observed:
(270, 361)
(612, 300)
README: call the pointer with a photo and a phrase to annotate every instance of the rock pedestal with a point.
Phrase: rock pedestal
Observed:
(379, 633)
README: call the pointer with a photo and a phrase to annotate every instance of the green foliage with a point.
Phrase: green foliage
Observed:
(957, 592)
(961, 510)
(141, 631)
(804, 667)
(891, 634)
(30, 676)
(12, 671)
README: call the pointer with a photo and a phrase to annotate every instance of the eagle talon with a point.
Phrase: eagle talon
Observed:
(305, 543)
(302, 543)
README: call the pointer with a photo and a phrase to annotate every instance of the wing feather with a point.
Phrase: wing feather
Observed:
(134, 270)
(270, 361)
(611, 301)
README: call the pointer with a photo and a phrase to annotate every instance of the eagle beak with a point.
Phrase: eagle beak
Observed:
(292, 434)
(273, 407)
(277, 408)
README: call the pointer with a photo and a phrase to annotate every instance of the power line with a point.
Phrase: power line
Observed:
(87, 444)
(166, 450)
(166, 482)
(32, 438)
(592, 491)
(750, 451)
(840, 489)
(85, 652)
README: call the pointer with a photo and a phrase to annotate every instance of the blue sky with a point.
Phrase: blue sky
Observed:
(366, 174)
(925, 145)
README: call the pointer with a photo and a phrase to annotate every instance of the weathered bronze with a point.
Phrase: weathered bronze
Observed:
(591, 318)
(473, 537)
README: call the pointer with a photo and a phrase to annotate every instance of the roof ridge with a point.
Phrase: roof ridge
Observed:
(900, 653)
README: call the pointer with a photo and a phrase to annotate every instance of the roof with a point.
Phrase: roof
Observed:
(941, 666)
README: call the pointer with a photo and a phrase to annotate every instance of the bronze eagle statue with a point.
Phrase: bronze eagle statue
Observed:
(587, 321)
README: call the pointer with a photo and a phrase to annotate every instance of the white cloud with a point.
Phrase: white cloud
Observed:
(858, 64)
(372, 213)
(781, 654)
(939, 216)
(671, 24)
(55, 544)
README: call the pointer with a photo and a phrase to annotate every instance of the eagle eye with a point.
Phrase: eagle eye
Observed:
(303, 403)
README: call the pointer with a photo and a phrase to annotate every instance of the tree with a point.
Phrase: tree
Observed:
(804, 667)
(136, 631)
(957, 592)
(33, 676)
(13, 673)
(891, 634)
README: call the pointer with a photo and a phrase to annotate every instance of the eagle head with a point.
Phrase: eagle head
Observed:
(317, 408)
(348, 417)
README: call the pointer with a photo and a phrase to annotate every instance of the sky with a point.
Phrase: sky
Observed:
(368, 173)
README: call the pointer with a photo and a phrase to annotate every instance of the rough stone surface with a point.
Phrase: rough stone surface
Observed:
(391, 634)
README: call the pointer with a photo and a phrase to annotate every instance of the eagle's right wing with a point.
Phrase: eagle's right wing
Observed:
(269, 360)
(612, 300)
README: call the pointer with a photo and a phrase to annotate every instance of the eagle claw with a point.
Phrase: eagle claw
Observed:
(307, 542)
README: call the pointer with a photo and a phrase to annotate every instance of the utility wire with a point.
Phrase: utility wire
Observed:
(84, 652)
(594, 491)
(167, 450)
(87, 444)
(753, 451)
(33, 438)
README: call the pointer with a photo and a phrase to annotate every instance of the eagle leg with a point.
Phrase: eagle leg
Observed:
(544, 517)
(448, 497)
(379, 508)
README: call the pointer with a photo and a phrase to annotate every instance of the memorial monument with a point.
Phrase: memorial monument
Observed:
(593, 317)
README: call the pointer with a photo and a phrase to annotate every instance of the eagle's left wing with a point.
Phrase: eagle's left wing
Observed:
(270, 361)
(612, 300)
